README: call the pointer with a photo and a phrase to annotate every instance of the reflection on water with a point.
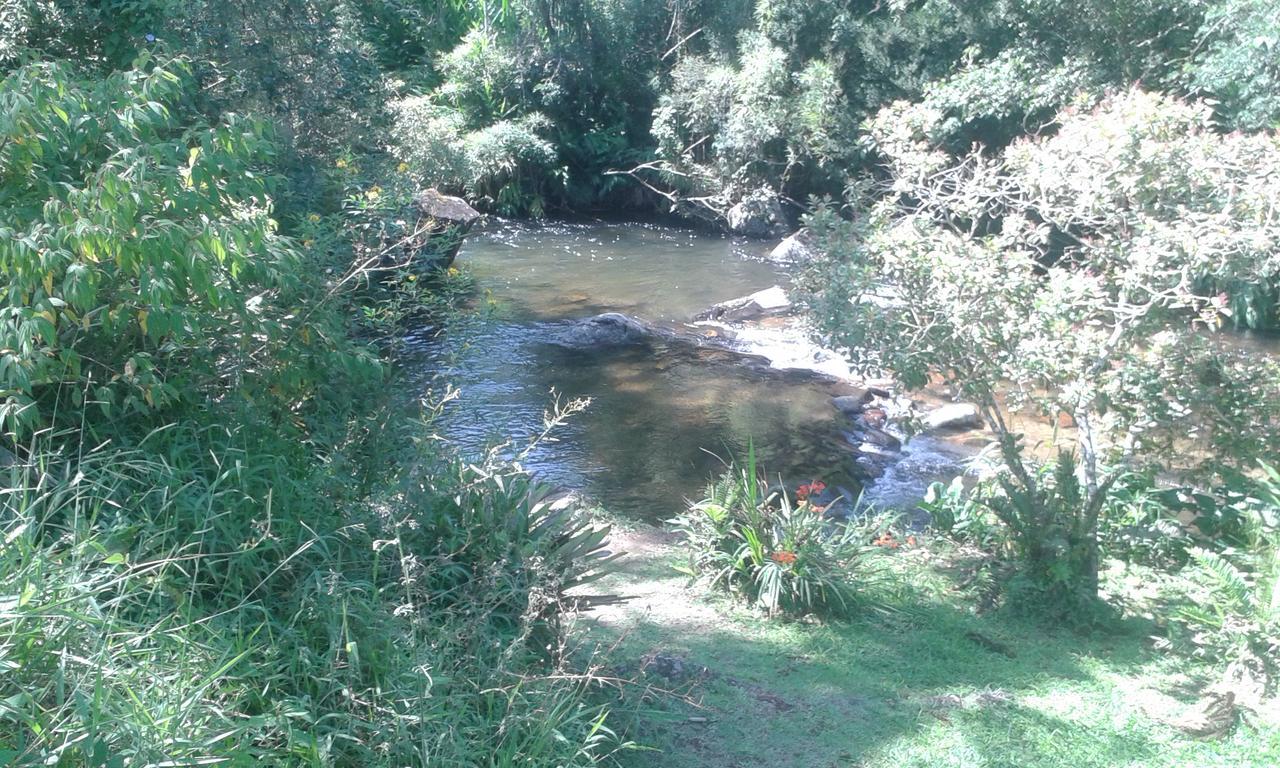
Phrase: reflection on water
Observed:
(566, 271)
(657, 416)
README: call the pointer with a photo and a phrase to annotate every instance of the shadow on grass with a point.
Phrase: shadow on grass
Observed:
(929, 685)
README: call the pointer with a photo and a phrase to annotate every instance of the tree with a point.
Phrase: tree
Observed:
(1238, 62)
(141, 263)
(1067, 275)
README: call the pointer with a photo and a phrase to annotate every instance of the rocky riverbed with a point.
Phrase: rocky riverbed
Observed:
(689, 347)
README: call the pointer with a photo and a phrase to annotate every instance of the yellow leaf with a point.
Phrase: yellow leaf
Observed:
(306, 335)
(142, 319)
(48, 284)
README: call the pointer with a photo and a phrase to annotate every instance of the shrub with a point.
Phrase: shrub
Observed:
(785, 557)
(962, 515)
(1237, 62)
(1233, 614)
(140, 260)
(725, 128)
(505, 166)
(1062, 273)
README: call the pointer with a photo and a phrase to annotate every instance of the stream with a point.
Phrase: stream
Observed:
(661, 422)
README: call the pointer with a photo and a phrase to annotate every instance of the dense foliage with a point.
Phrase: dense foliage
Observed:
(214, 501)
(224, 538)
(1073, 267)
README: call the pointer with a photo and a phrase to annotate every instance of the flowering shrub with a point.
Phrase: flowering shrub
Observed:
(1066, 272)
(785, 557)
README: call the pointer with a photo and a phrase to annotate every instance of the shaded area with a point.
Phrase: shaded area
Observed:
(919, 687)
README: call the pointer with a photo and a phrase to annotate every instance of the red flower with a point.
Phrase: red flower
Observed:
(886, 539)
(783, 558)
(810, 489)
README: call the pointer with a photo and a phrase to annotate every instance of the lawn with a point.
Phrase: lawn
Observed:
(929, 682)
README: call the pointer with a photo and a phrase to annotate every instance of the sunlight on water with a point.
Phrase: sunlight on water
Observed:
(660, 419)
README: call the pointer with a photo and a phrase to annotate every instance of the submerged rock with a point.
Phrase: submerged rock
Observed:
(770, 301)
(865, 433)
(853, 404)
(760, 215)
(953, 417)
(612, 329)
(799, 248)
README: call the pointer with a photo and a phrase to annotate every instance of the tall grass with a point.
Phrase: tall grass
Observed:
(227, 608)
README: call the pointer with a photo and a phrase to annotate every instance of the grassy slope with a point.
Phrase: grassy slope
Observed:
(910, 689)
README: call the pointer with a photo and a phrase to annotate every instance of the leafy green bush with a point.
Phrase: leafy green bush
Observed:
(1025, 268)
(140, 260)
(505, 166)
(962, 515)
(1049, 531)
(724, 128)
(1233, 615)
(1237, 60)
(785, 557)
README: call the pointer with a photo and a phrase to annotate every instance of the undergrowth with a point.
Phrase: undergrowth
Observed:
(153, 612)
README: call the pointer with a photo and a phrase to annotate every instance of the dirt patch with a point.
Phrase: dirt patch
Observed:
(649, 588)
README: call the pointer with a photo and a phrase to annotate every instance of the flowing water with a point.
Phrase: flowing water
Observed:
(659, 422)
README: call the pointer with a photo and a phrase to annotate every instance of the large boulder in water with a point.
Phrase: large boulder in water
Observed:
(770, 301)
(612, 329)
(759, 215)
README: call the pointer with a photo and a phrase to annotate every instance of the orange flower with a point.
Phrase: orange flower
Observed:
(886, 539)
(810, 489)
(911, 541)
(783, 558)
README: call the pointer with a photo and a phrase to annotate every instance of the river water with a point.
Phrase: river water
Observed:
(660, 423)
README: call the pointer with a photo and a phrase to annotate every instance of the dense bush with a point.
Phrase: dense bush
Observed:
(1067, 266)
(1238, 62)
(249, 617)
(505, 166)
(1224, 606)
(211, 501)
(726, 129)
(142, 265)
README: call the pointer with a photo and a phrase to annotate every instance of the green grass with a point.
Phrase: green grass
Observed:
(915, 688)
(152, 613)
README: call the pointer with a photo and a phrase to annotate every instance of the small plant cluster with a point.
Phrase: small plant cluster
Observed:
(786, 557)
(1218, 573)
